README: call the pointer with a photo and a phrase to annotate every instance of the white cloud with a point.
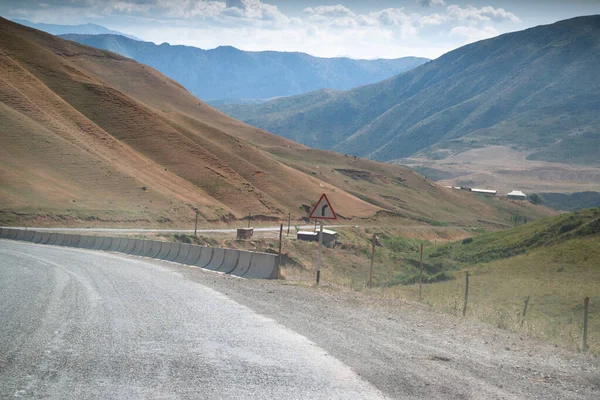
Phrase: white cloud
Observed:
(487, 13)
(429, 3)
(337, 11)
(474, 34)
(325, 30)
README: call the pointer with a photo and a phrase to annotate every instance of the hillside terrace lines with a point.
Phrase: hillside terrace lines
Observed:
(68, 123)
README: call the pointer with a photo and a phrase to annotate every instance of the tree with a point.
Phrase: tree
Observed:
(535, 198)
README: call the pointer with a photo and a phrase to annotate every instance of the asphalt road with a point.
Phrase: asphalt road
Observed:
(83, 324)
(141, 230)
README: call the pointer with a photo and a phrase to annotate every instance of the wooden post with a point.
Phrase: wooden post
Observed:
(280, 245)
(466, 293)
(372, 261)
(524, 311)
(289, 223)
(249, 216)
(586, 306)
(319, 253)
(196, 225)
(421, 273)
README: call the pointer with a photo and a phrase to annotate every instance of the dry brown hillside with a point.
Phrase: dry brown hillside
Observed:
(86, 134)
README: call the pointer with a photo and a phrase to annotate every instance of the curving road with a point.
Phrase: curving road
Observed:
(82, 324)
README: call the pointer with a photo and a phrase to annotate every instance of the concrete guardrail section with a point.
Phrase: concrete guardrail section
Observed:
(245, 264)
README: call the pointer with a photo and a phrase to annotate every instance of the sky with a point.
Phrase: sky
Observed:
(364, 29)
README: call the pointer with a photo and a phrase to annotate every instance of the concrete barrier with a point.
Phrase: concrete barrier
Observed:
(130, 246)
(123, 246)
(45, 238)
(66, 240)
(116, 242)
(60, 238)
(137, 246)
(193, 255)
(73, 241)
(175, 248)
(146, 247)
(230, 261)
(155, 249)
(262, 266)
(97, 243)
(29, 235)
(243, 264)
(38, 237)
(205, 257)
(165, 248)
(184, 252)
(91, 242)
(52, 238)
(82, 241)
(217, 259)
(106, 243)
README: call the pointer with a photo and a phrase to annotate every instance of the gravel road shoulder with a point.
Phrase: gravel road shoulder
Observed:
(409, 351)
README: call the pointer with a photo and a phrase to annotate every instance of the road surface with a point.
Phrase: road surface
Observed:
(80, 324)
(142, 230)
(83, 324)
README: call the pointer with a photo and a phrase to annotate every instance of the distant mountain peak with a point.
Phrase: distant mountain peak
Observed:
(227, 74)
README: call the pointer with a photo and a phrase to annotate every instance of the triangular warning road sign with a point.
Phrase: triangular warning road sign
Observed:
(323, 209)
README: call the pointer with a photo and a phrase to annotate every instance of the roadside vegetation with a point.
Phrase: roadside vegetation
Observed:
(554, 261)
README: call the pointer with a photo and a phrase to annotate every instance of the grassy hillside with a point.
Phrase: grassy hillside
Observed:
(90, 137)
(229, 73)
(554, 261)
(535, 90)
(571, 202)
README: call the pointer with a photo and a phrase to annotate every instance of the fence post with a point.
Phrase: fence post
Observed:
(466, 293)
(421, 273)
(280, 245)
(586, 306)
(525, 310)
(372, 260)
(289, 223)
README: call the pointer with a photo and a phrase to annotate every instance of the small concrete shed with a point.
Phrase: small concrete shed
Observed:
(517, 195)
(329, 237)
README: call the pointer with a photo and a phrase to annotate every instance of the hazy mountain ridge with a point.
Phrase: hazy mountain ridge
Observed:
(83, 29)
(229, 73)
(537, 90)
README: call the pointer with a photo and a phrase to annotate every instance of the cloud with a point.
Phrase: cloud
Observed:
(474, 34)
(429, 3)
(337, 11)
(487, 13)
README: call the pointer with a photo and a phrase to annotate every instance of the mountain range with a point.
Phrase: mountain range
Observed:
(536, 91)
(229, 75)
(83, 29)
(89, 136)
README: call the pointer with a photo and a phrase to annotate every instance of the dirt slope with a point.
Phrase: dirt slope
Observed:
(88, 134)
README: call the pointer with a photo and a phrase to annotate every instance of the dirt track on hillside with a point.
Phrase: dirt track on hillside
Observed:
(408, 351)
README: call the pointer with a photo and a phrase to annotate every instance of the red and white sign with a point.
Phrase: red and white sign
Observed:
(323, 209)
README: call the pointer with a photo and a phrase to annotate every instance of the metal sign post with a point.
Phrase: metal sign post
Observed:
(322, 210)
(319, 252)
